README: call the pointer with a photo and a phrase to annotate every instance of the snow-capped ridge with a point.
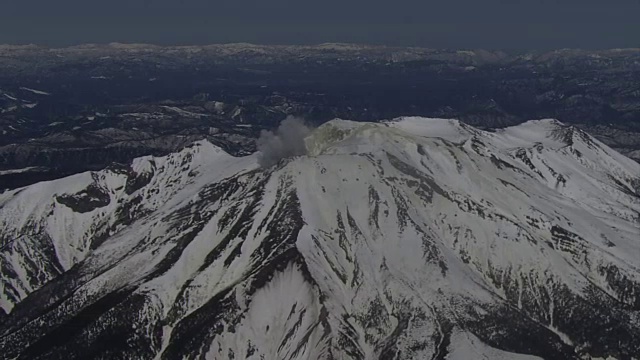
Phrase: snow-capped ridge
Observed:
(74, 213)
(447, 129)
(412, 238)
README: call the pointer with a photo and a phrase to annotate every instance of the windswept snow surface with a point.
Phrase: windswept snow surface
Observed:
(409, 239)
(34, 91)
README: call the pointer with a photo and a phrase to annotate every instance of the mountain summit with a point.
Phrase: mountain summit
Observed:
(409, 239)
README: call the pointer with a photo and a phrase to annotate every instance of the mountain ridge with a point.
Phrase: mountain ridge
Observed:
(411, 238)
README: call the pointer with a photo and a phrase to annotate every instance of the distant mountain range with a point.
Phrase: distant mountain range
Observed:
(80, 108)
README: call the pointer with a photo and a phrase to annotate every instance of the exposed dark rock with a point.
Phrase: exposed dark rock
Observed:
(87, 200)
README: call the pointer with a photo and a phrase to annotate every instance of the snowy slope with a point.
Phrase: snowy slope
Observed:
(411, 239)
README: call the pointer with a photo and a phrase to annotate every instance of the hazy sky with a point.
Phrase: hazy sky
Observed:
(508, 24)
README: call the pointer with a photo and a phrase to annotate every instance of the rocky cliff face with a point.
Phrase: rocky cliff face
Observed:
(414, 238)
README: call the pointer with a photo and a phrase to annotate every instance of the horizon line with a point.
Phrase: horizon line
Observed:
(116, 44)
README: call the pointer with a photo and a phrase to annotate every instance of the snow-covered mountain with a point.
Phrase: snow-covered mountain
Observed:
(411, 239)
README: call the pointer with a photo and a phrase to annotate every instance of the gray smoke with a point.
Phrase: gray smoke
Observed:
(286, 141)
